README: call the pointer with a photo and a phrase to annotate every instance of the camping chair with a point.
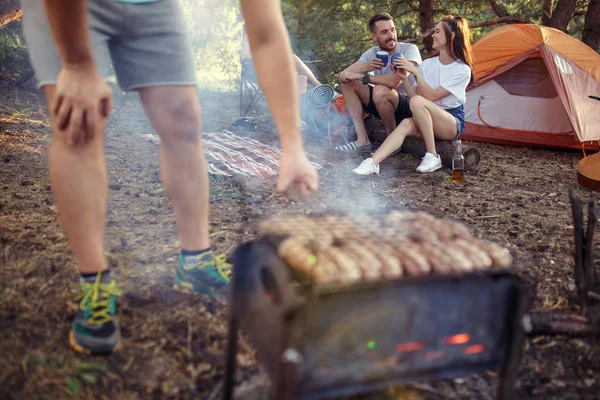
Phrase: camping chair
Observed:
(250, 93)
(249, 88)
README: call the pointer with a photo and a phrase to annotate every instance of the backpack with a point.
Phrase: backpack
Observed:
(324, 115)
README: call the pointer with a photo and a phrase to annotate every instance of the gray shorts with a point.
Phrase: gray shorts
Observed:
(147, 43)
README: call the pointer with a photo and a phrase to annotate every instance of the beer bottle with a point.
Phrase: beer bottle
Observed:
(458, 163)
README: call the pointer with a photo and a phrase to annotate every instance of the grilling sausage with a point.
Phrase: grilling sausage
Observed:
(325, 271)
(480, 258)
(415, 263)
(391, 266)
(347, 249)
(439, 258)
(500, 256)
(346, 265)
(295, 251)
(370, 266)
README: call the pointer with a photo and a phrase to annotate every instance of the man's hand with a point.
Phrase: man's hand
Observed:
(82, 100)
(296, 174)
(375, 63)
(348, 76)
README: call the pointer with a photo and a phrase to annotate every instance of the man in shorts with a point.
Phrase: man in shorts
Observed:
(151, 54)
(370, 87)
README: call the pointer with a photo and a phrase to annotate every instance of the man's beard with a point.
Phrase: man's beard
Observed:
(389, 45)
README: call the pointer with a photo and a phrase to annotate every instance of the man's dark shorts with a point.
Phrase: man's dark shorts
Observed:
(402, 111)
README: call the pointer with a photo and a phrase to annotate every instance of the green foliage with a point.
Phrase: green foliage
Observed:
(334, 33)
(328, 34)
(215, 28)
(14, 60)
(73, 386)
(86, 366)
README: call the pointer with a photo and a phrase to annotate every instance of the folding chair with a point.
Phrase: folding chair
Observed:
(250, 92)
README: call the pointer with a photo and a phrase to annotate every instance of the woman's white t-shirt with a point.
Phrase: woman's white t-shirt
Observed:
(453, 77)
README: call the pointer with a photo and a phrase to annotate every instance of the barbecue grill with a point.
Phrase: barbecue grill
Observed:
(322, 339)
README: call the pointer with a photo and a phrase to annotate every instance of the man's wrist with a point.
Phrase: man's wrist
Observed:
(81, 64)
(291, 142)
(366, 79)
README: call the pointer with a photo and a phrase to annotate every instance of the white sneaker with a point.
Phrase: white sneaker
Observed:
(430, 163)
(367, 167)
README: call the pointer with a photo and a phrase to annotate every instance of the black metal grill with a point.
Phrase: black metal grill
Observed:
(320, 341)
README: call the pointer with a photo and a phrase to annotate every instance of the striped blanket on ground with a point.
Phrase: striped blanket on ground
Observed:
(229, 154)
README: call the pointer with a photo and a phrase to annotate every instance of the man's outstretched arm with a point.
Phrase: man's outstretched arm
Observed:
(82, 96)
(274, 64)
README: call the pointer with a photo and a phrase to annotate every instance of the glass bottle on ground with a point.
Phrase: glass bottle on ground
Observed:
(458, 163)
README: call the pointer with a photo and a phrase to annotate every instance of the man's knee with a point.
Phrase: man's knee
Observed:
(181, 120)
(350, 86)
(383, 94)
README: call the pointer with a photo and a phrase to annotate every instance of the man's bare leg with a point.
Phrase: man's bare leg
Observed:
(175, 114)
(302, 83)
(174, 111)
(79, 185)
(302, 69)
(355, 95)
(386, 102)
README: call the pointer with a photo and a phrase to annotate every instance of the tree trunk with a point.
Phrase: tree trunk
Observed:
(562, 14)
(426, 21)
(445, 150)
(591, 26)
(10, 10)
(412, 145)
(546, 12)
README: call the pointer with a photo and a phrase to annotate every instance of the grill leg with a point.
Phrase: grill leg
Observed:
(234, 324)
(510, 365)
(229, 379)
(285, 380)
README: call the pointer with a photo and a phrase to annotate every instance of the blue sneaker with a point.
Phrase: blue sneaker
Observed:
(204, 273)
(95, 328)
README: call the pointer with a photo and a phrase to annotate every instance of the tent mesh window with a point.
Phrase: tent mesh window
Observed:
(529, 78)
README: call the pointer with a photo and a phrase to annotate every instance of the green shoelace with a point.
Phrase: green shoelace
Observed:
(219, 263)
(223, 267)
(96, 302)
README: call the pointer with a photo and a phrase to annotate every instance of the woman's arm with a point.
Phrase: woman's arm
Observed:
(423, 88)
(426, 91)
(410, 92)
(403, 75)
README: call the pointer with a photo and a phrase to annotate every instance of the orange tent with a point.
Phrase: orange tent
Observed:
(532, 87)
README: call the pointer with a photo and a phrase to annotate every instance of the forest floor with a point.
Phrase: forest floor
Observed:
(173, 345)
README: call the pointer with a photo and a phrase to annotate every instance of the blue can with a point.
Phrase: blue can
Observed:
(384, 57)
(394, 57)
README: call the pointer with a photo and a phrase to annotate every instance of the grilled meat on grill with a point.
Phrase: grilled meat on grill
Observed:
(348, 249)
